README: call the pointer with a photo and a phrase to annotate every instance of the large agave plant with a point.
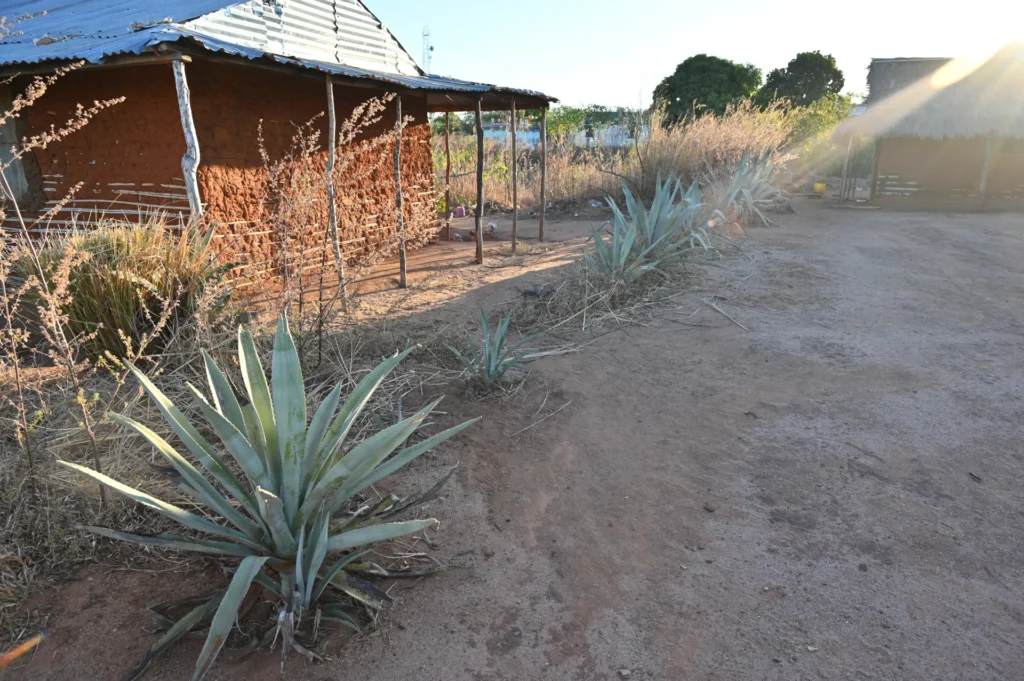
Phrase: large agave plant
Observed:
(648, 240)
(291, 514)
(747, 188)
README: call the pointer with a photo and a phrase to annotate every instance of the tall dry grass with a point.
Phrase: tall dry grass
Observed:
(700, 145)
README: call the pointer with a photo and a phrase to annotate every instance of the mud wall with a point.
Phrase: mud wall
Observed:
(230, 105)
(943, 174)
(129, 158)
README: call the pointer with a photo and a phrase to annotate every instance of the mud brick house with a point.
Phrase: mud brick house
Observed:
(198, 78)
(948, 133)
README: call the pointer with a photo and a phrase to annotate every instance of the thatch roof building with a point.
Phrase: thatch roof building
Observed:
(948, 131)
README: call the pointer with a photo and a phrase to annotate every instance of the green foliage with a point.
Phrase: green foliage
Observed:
(649, 240)
(489, 365)
(808, 77)
(819, 118)
(292, 512)
(711, 83)
(126, 283)
(461, 125)
(747, 188)
(565, 121)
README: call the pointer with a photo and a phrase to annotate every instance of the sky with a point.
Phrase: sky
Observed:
(616, 53)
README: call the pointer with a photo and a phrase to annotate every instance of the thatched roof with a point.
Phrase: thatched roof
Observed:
(944, 98)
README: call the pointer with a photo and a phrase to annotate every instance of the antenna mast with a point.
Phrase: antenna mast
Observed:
(428, 50)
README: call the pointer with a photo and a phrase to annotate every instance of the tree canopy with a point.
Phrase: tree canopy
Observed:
(808, 77)
(709, 82)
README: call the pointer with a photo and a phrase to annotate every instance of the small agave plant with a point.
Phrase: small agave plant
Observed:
(488, 365)
(292, 515)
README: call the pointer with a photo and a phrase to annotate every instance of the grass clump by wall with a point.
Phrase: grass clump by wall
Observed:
(121, 289)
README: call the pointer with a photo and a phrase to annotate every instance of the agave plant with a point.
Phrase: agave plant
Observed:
(288, 513)
(489, 365)
(746, 189)
(650, 239)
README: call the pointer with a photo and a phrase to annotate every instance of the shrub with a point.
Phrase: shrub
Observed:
(292, 507)
(123, 287)
(489, 365)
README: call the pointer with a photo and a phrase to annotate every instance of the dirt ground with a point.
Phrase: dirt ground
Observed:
(831, 494)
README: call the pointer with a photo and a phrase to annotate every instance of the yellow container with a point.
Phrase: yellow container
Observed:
(819, 187)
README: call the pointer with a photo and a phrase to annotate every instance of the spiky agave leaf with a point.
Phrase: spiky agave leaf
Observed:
(495, 358)
(296, 477)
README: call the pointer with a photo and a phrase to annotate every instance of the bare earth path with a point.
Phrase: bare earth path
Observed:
(833, 494)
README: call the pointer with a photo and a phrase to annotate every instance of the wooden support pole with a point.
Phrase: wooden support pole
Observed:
(873, 181)
(190, 161)
(402, 265)
(986, 164)
(515, 181)
(332, 208)
(448, 172)
(479, 182)
(543, 171)
(846, 170)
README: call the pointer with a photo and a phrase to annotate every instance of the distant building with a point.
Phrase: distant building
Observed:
(947, 134)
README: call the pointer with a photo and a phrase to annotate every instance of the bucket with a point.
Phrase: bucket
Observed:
(460, 212)
(820, 187)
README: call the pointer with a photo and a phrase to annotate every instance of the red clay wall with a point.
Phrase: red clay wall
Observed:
(229, 102)
(924, 173)
(129, 156)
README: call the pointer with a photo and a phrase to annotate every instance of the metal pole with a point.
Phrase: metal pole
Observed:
(543, 170)
(479, 182)
(515, 181)
(402, 273)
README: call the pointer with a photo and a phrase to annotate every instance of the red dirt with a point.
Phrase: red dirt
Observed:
(790, 502)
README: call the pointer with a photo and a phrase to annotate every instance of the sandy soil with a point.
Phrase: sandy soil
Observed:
(833, 494)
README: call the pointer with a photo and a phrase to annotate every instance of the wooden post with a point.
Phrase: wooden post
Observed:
(448, 172)
(985, 168)
(846, 170)
(332, 209)
(874, 171)
(479, 182)
(543, 170)
(402, 266)
(515, 181)
(190, 161)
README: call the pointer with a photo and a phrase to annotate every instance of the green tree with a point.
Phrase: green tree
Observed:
(818, 119)
(808, 77)
(461, 125)
(711, 83)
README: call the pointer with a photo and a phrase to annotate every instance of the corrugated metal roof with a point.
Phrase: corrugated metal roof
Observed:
(92, 30)
(430, 82)
(334, 36)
